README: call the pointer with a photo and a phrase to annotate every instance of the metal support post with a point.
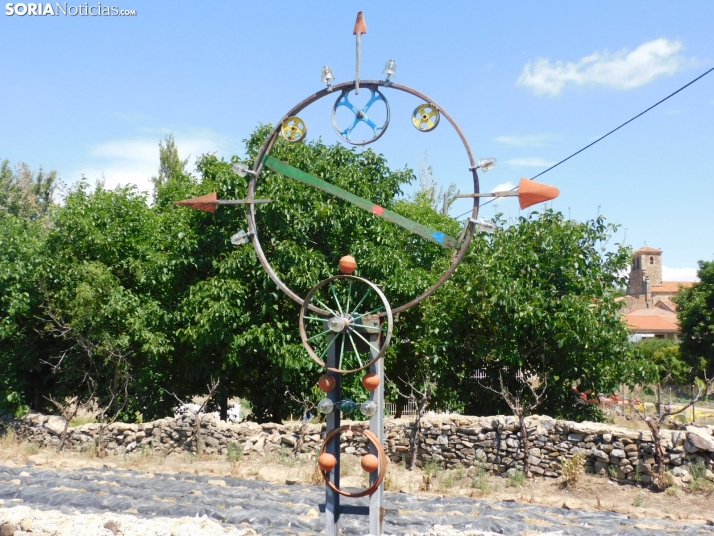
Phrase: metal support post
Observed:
(376, 425)
(332, 500)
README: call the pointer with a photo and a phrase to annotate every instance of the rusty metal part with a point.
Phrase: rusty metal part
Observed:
(380, 454)
(209, 202)
(272, 138)
(344, 322)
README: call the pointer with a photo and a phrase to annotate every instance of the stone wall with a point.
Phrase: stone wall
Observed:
(623, 454)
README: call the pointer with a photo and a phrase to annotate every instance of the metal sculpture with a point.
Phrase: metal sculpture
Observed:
(346, 321)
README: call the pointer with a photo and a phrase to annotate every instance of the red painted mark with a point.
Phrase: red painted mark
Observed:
(376, 209)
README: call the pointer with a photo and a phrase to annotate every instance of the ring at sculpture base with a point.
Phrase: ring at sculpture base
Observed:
(380, 455)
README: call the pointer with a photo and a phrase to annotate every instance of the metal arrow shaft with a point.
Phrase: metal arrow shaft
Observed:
(416, 228)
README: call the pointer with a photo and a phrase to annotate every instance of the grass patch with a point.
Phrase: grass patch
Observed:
(79, 420)
(479, 480)
(235, 452)
(516, 479)
(699, 482)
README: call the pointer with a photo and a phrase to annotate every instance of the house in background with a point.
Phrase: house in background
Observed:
(648, 309)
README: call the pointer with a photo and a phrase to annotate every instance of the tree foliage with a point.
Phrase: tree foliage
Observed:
(135, 305)
(534, 299)
(696, 320)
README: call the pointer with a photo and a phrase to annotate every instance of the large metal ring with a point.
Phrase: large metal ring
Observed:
(360, 116)
(269, 142)
(351, 315)
(380, 455)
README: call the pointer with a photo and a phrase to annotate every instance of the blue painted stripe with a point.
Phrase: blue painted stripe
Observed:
(439, 237)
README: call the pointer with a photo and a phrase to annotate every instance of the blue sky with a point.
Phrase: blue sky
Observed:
(528, 82)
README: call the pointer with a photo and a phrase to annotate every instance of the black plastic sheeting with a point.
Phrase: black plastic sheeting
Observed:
(273, 509)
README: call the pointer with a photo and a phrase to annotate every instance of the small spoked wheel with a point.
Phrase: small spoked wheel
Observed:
(355, 321)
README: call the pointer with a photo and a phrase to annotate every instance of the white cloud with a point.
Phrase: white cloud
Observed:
(504, 187)
(539, 140)
(535, 161)
(619, 70)
(136, 160)
(679, 274)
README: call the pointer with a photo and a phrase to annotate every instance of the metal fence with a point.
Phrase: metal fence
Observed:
(409, 408)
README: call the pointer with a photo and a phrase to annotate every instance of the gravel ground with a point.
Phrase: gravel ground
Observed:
(109, 502)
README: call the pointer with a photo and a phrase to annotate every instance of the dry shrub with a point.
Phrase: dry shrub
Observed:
(235, 469)
(573, 468)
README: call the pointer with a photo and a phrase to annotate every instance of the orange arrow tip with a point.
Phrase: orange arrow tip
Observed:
(206, 202)
(532, 192)
(360, 25)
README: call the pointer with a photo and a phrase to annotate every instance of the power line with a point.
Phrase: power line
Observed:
(606, 135)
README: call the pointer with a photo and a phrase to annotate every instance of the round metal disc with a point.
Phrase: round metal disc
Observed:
(425, 117)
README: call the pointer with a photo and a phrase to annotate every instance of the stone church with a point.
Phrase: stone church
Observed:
(648, 308)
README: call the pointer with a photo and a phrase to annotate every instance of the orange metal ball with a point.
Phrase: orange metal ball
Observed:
(326, 383)
(347, 264)
(370, 381)
(370, 463)
(326, 461)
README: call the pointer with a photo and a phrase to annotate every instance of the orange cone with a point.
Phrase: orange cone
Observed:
(532, 192)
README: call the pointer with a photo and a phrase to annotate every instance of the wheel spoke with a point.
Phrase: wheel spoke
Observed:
(369, 313)
(365, 340)
(324, 352)
(349, 295)
(325, 306)
(318, 335)
(315, 318)
(342, 351)
(354, 347)
(361, 301)
(337, 301)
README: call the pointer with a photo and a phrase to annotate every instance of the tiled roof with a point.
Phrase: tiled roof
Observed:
(670, 287)
(653, 311)
(650, 324)
(666, 304)
(647, 249)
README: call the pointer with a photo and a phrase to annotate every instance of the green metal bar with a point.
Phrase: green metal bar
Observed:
(416, 228)
(360, 302)
(333, 313)
(319, 335)
(324, 352)
(354, 347)
(365, 340)
(369, 313)
(316, 318)
(342, 351)
(334, 295)
(349, 295)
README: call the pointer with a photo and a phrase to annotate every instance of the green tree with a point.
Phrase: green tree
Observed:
(170, 165)
(24, 194)
(666, 356)
(695, 311)
(534, 300)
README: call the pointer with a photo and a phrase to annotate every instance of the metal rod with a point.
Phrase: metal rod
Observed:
(332, 499)
(359, 46)
(375, 348)
(489, 194)
(376, 425)
(242, 201)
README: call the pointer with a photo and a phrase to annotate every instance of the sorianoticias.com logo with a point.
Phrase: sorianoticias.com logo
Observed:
(42, 9)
